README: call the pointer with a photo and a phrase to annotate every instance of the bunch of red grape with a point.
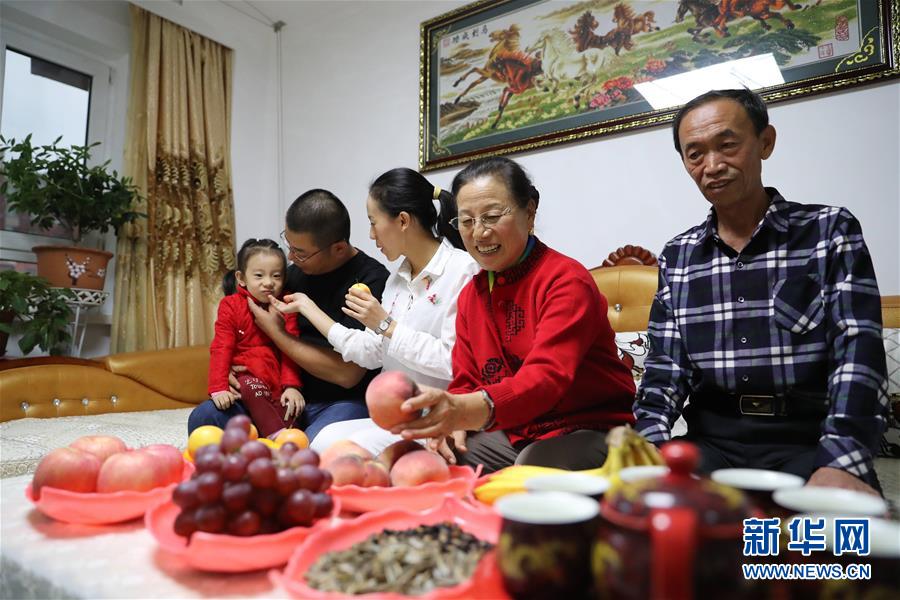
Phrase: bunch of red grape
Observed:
(241, 487)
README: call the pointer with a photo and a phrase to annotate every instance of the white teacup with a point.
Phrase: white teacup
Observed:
(575, 483)
(758, 480)
(831, 501)
(632, 474)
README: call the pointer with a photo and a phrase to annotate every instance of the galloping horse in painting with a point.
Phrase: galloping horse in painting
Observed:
(709, 14)
(705, 15)
(563, 63)
(760, 10)
(506, 64)
(625, 18)
(583, 35)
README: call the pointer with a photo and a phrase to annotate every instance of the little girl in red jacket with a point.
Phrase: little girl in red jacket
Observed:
(238, 341)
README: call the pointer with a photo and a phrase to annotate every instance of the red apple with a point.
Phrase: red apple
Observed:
(418, 467)
(392, 453)
(101, 446)
(342, 448)
(384, 396)
(348, 470)
(67, 469)
(376, 474)
(135, 470)
(170, 459)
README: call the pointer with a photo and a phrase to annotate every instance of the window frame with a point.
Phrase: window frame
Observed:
(16, 246)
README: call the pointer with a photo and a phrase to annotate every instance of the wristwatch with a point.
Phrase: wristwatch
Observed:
(383, 326)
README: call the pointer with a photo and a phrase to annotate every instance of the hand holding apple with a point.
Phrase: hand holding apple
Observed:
(363, 306)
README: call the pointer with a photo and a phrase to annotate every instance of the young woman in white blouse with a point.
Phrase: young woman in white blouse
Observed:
(414, 328)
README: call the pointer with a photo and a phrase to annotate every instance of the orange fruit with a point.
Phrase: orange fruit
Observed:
(360, 286)
(203, 436)
(269, 443)
(187, 456)
(254, 434)
(292, 435)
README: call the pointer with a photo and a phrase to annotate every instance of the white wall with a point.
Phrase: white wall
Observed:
(351, 89)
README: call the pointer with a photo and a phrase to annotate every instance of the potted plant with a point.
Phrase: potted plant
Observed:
(55, 185)
(41, 313)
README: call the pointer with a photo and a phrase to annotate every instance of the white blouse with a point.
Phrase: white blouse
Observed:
(424, 309)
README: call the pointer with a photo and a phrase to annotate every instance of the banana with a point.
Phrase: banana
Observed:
(626, 448)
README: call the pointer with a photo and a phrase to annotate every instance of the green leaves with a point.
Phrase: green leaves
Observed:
(54, 184)
(41, 312)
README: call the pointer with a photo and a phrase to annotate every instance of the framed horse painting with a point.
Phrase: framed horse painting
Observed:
(502, 76)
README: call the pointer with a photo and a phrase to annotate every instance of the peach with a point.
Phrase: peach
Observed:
(418, 467)
(384, 396)
(101, 446)
(135, 470)
(348, 470)
(67, 469)
(170, 459)
(342, 448)
(392, 453)
(376, 474)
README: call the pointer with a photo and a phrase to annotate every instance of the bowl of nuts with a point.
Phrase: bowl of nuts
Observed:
(445, 552)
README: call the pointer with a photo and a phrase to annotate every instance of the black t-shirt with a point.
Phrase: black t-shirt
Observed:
(327, 291)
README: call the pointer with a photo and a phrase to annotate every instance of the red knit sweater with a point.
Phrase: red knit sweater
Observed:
(238, 341)
(542, 347)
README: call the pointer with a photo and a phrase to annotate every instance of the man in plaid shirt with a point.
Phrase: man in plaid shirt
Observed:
(767, 319)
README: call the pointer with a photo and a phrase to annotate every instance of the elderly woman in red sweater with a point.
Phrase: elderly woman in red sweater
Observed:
(536, 374)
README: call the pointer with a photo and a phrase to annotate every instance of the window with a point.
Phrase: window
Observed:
(48, 92)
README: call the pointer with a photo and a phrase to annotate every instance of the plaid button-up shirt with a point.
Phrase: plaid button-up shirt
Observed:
(798, 307)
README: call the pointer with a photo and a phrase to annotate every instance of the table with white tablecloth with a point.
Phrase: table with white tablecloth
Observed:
(43, 558)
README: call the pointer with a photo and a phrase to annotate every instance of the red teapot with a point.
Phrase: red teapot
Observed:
(674, 537)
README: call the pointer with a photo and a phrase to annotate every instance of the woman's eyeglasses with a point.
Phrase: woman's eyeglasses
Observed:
(487, 220)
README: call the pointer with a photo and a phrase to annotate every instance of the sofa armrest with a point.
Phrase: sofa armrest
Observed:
(178, 373)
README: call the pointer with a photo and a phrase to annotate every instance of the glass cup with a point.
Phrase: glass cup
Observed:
(545, 544)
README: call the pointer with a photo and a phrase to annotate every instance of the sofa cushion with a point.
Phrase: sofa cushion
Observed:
(633, 347)
(26, 441)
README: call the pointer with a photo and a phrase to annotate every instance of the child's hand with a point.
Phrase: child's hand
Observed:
(270, 321)
(294, 401)
(224, 400)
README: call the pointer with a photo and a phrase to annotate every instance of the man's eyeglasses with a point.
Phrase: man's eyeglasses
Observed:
(487, 220)
(295, 253)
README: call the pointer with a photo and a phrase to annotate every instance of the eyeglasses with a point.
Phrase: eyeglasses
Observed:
(294, 253)
(487, 220)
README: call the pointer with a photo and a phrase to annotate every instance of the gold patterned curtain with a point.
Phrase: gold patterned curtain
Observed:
(170, 265)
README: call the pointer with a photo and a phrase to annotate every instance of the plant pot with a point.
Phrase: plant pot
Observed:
(66, 266)
(6, 317)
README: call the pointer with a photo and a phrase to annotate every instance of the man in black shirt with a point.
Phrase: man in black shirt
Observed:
(324, 266)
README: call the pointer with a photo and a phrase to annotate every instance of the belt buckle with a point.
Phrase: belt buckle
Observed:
(759, 406)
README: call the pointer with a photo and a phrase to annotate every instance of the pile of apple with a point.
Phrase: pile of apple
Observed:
(103, 464)
(243, 487)
(402, 464)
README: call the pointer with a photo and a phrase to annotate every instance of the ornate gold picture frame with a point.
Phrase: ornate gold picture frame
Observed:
(503, 76)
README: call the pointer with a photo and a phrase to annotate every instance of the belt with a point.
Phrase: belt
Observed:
(793, 403)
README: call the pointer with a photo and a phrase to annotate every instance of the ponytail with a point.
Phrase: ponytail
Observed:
(448, 211)
(404, 190)
(229, 283)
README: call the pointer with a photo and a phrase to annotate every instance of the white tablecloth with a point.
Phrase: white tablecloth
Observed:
(42, 558)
